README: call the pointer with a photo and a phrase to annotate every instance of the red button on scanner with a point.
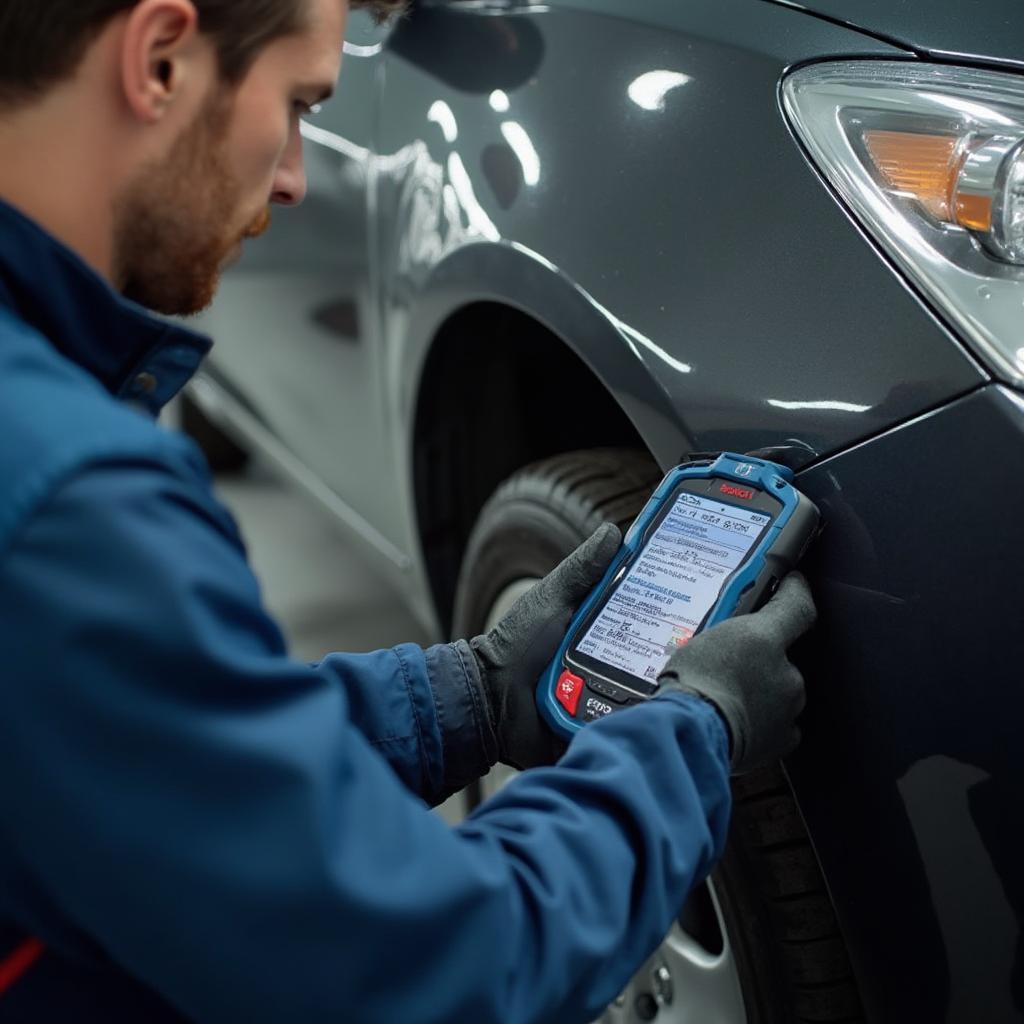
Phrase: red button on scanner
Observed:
(568, 690)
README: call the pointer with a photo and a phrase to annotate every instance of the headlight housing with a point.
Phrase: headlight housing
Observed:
(931, 159)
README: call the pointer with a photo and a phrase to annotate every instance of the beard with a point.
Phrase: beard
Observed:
(178, 224)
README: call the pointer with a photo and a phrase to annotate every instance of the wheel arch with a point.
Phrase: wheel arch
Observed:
(512, 362)
(485, 411)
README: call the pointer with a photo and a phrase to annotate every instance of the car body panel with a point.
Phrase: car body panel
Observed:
(292, 319)
(910, 771)
(732, 360)
(669, 304)
(989, 33)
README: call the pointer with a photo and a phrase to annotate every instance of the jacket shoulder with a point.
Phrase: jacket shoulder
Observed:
(56, 420)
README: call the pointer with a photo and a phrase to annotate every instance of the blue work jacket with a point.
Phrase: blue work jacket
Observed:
(195, 825)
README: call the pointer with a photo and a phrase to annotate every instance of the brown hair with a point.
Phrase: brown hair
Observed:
(43, 41)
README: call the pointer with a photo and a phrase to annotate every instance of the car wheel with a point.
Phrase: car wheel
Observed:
(759, 942)
(222, 453)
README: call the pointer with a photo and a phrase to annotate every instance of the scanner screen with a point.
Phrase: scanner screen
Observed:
(666, 594)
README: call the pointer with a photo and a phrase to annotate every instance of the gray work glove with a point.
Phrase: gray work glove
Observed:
(512, 656)
(740, 666)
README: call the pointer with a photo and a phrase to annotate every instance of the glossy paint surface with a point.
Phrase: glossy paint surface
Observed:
(988, 32)
(294, 321)
(912, 765)
(721, 289)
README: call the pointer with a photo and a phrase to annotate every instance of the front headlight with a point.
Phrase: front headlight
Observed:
(931, 159)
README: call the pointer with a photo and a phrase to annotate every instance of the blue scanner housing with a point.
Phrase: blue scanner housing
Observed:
(783, 542)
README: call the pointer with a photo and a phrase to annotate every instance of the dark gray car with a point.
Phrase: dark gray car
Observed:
(550, 250)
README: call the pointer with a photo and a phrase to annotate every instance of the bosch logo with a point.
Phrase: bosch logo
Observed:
(736, 492)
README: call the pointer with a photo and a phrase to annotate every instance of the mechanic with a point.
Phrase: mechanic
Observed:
(193, 825)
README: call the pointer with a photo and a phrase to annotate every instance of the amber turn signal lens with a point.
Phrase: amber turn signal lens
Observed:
(973, 212)
(921, 167)
(927, 168)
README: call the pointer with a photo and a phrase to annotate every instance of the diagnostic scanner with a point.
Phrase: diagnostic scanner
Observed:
(715, 540)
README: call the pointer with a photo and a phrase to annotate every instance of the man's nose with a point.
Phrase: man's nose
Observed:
(289, 187)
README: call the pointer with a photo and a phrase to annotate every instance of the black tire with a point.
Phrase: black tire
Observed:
(791, 960)
(223, 454)
(540, 515)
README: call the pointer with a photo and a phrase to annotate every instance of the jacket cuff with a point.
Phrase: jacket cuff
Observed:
(469, 744)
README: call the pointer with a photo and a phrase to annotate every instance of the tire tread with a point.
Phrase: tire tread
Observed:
(602, 485)
(801, 918)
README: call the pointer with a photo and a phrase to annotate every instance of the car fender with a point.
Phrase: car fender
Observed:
(624, 219)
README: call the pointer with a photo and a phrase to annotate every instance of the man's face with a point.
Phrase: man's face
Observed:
(183, 218)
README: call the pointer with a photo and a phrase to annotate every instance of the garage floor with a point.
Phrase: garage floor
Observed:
(314, 583)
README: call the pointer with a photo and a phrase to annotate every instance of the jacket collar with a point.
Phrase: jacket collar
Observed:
(134, 354)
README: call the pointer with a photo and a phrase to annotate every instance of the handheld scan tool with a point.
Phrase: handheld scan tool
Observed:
(714, 541)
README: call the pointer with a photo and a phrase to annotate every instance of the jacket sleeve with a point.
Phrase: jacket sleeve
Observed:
(421, 711)
(204, 811)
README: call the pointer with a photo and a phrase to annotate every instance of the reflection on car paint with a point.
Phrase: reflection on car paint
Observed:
(649, 90)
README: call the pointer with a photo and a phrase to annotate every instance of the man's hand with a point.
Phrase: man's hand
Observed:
(740, 666)
(512, 656)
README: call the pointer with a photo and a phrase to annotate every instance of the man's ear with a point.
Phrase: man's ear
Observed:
(159, 50)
